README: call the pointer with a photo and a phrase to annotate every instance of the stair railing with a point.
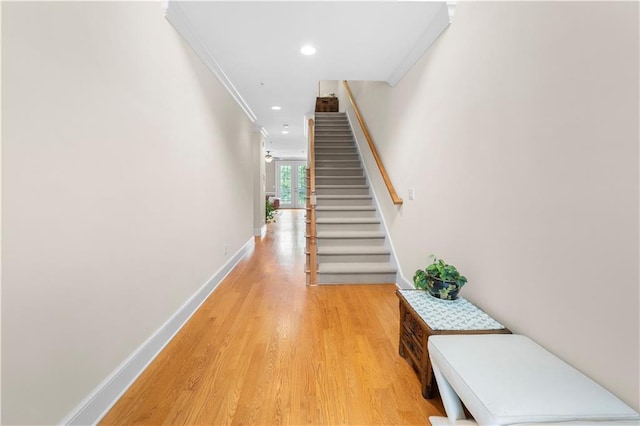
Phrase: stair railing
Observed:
(312, 242)
(385, 176)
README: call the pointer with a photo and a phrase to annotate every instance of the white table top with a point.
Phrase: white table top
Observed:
(459, 314)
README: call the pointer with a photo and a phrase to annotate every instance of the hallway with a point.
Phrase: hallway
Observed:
(265, 349)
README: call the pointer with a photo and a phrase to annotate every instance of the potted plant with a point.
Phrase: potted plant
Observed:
(270, 212)
(440, 279)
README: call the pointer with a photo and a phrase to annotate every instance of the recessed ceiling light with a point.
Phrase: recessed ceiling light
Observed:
(285, 132)
(308, 50)
(276, 108)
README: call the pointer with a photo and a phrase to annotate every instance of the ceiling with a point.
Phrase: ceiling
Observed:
(254, 50)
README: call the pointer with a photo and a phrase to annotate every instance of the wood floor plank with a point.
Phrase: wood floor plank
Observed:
(265, 349)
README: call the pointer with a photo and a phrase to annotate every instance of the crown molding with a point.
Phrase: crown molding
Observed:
(451, 6)
(436, 27)
(176, 16)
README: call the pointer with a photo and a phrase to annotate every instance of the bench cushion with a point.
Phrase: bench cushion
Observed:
(506, 379)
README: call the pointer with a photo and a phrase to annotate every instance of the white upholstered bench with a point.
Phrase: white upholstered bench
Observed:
(508, 379)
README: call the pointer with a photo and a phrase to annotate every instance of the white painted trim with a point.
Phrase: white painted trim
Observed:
(176, 16)
(433, 30)
(260, 232)
(451, 9)
(401, 280)
(259, 129)
(96, 405)
(164, 4)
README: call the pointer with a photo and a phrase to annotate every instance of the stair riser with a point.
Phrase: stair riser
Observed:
(334, 139)
(349, 242)
(329, 118)
(342, 191)
(335, 144)
(333, 133)
(331, 157)
(339, 172)
(336, 150)
(334, 163)
(341, 258)
(343, 202)
(356, 278)
(348, 227)
(328, 180)
(332, 126)
(345, 213)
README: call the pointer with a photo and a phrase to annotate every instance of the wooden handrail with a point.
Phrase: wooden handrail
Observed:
(392, 192)
(312, 242)
(312, 156)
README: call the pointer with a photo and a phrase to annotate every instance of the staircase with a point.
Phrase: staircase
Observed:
(351, 241)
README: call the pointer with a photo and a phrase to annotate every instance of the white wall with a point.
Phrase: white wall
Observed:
(124, 175)
(326, 87)
(259, 176)
(270, 171)
(519, 132)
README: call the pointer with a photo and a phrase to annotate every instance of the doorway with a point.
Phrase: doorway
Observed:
(291, 184)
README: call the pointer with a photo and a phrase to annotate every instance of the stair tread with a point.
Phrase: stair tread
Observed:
(340, 177)
(352, 220)
(344, 197)
(356, 268)
(345, 208)
(342, 186)
(338, 168)
(350, 234)
(354, 250)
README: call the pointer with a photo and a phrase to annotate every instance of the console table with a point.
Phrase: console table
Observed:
(422, 315)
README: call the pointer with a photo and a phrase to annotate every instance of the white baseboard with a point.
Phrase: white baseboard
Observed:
(404, 283)
(260, 232)
(106, 394)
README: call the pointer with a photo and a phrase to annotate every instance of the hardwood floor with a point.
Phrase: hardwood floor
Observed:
(265, 349)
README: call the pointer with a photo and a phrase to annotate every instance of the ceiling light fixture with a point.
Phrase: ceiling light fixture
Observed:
(284, 132)
(268, 158)
(308, 50)
(276, 108)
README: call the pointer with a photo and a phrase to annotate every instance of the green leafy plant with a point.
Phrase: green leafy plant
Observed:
(270, 212)
(439, 270)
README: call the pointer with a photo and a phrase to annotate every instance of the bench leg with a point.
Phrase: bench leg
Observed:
(450, 400)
